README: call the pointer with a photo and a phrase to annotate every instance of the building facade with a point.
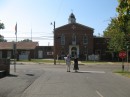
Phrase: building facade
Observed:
(21, 50)
(25, 50)
(74, 39)
(101, 48)
(44, 52)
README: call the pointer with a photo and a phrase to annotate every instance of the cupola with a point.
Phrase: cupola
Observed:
(72, 18)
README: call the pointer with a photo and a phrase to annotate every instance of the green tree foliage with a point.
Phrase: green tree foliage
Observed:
(115, 35)
(26, 40)
(2, 26)
(123, 19)
(2, 39)
(123, 10)
(119, 28)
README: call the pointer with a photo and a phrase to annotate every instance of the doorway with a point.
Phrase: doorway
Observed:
(74, 50)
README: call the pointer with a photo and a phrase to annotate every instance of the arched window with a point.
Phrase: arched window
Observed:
(85, 39)
(62, 39)
(73, 39)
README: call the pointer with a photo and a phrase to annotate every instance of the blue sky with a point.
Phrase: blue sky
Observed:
(38, 15)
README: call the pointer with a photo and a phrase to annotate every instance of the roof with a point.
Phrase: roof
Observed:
(72, 15)
(98, 37)
(76, 24)
(20, 45)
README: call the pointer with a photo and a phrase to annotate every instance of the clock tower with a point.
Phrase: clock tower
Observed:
(72, 18)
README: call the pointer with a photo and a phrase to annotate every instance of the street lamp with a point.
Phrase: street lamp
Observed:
(54, 42)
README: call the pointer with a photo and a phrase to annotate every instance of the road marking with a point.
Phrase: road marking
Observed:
(91, 71)
(99, 94)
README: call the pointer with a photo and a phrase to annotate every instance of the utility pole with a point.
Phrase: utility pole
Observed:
(54, 42)
(128, 56)
(31, 34)
(14, 53)
(15, 48)
(127, 53)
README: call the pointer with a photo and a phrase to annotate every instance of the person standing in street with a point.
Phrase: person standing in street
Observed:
(68, 63)
(76, 64)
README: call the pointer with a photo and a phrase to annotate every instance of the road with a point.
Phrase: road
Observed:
(53, 81)
(17, 82)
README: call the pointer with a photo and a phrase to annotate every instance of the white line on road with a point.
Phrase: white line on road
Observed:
(91, 71)
(99, 94)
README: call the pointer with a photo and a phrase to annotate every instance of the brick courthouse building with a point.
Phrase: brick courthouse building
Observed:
(74, 38)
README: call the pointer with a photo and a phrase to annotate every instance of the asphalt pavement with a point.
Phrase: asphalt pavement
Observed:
(44, 80)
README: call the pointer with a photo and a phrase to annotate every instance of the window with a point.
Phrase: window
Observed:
(9, 54)
(85, 39)
(49, 53)
(73, 39)
(62, 39)
(25, 52)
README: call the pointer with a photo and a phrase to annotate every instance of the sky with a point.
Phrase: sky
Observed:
(34, 17)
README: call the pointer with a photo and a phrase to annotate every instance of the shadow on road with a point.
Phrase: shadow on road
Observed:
(12, 75)
(30, 74)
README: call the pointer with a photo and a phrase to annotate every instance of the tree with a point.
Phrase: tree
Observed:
(2, 39)
(115, 35)
(119, 28)
(2, 26)
(123, 20)
(26, 40)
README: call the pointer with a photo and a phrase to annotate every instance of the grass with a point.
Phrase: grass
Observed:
(93, 62)
(58, 61)
(42, 61)
(124, 73)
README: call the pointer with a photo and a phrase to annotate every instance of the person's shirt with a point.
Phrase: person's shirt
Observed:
(68, 59)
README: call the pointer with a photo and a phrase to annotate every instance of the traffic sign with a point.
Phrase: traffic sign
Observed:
(122, 54)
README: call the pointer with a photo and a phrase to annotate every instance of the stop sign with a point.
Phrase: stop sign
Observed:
(122, 54)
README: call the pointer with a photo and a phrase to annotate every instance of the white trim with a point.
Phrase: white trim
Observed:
(70, 47)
